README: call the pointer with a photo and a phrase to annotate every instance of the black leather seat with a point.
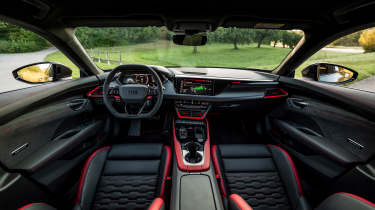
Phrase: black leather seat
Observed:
(128, 176)
(342, 201)
(262, 175)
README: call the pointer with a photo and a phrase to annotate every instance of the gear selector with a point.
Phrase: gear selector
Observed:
(193, 156)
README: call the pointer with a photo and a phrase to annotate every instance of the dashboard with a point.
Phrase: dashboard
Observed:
(220, 85)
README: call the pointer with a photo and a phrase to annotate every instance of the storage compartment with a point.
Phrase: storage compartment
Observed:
(196, 193)
(192, 191)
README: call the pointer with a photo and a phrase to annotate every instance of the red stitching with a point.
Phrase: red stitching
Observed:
(293, 168)
(83, 174)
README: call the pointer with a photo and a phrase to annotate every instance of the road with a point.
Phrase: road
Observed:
(344, 50)
(10, 62)
(367, 84)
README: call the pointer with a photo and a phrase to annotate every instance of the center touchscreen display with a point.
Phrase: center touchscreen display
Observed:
(196, 86)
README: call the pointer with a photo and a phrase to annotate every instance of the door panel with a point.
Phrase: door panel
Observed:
(322, 129)
(36, 135)
(46, 133)
(340, 135)
(329, 131)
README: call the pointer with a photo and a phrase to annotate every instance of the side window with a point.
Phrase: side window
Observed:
(355, 51)
(27, 60)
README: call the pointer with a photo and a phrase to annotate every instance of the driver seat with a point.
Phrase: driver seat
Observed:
(126, 176)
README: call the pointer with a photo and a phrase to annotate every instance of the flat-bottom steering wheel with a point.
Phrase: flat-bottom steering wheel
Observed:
(133, 93)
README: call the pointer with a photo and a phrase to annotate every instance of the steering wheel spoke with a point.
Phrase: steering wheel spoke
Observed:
(152, 91)
(114, 92)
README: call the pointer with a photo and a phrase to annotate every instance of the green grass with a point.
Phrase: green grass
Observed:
(61, 58)
(220, 55)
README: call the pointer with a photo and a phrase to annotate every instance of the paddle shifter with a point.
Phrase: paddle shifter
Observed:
(193, 156)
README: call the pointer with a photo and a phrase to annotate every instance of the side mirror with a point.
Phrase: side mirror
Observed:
(42, 72)
(329, 73)
(190, 40)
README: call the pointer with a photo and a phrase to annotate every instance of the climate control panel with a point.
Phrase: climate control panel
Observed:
(190, 109)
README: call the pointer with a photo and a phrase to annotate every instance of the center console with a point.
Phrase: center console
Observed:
(194, 184)
(192, 144)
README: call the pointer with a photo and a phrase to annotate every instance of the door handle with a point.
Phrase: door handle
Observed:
(298, 103)
(77, 104)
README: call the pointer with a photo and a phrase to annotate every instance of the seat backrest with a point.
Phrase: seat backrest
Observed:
(345, 201)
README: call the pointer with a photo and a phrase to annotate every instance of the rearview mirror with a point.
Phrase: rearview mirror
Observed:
(190, 40)
(42, 72)
(329, 73)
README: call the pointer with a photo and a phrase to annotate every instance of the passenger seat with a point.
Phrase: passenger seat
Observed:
(262, 175)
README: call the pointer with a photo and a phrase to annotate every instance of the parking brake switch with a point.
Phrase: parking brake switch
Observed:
(182, 132)
(198, 132)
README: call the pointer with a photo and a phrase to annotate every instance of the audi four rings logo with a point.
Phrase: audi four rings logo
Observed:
(132, 92)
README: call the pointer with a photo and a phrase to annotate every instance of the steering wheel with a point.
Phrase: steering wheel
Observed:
(133, 93)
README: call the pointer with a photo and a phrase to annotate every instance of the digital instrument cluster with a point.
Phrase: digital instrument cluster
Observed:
(144, 79)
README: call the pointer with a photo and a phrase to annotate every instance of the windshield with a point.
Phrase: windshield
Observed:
(226, 47)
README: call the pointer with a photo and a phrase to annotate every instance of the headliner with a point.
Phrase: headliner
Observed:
(303, 15)
(322, 21)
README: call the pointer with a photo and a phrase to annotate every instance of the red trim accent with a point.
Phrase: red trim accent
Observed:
(218, 171)
(83, 174)
(189, 117)
(280, 95)
(166, 170)
(180, 163)
(236, 82)
(90, 94)
(28, 205)
(358, 197)
(293, 168)
(197, 80)
(240, 202)
(157, 204)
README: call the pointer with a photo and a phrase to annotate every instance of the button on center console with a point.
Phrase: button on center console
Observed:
(192, 109)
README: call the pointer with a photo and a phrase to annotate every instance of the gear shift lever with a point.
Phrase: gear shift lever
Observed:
(193, 156)
(192, 148)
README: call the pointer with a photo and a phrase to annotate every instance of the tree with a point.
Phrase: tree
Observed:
(108, 37)
(290, 38)
(275, 37)
(195, 50)
(261, 35)
(348, 40)
(233, 35)
(367, 40)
